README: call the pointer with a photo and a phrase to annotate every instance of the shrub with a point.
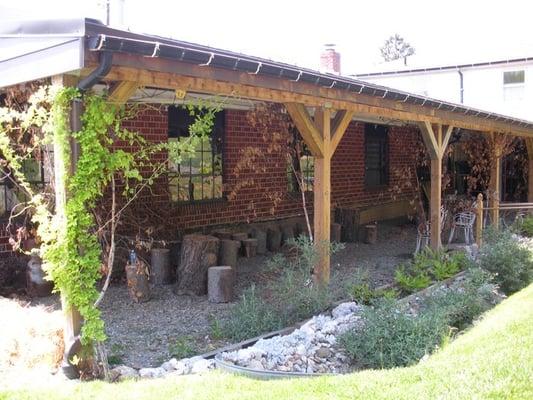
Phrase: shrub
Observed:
(508, 259)
(359, 290)
(392, 338)
(411, 280)
(182, 347)
(290, 298)
(525, 227)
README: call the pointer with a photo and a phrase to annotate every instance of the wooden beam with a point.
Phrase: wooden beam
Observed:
(497, 141)
(435, 203)
(122, 91)
(307, 128)
(529, 145)
(446, 139)
(322, 200)
(428, 135)
(340, 124)
(169, 74)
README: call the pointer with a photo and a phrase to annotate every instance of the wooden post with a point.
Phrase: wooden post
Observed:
(479, 220)
(494, 183)
(436, 144)
(529, 145)
(322, 139)
(73, 320)
(322, 201)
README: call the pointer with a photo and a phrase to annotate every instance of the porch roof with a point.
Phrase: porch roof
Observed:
(73, 46)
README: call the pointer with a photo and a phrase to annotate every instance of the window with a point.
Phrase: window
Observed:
(376, 155)
(513, 86)
(36, 174)
(300, 163)
(199, 175)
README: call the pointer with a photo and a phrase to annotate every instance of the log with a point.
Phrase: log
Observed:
(220, 283)
(161, 268)
(336, 232)
(371, 232)
(198, 253)
(228, 253)
(249, 247)
(222, 234)
(349, 220)
(137, 277)
(240, 236)
(261, 237)
(273, 239)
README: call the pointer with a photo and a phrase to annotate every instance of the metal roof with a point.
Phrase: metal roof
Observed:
(99, 37)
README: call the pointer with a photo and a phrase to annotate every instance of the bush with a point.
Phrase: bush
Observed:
(508, 259)
(525, 227)
(391, 338)
(290, 298)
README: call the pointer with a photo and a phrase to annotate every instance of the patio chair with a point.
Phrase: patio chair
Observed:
(464, 220)
(424, 230)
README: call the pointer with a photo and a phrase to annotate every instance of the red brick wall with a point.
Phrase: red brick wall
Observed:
(267, 197)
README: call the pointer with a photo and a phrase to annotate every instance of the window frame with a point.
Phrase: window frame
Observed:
(220, 125)
(373, 131)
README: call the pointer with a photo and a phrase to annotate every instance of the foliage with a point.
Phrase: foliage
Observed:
(525, 227)
(510, 260)
(360, 290)
(427, 265)
(290, 298)
(392, 338)
(182, 347)
(395, 48)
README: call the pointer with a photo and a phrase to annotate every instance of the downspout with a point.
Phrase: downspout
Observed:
(461, 86)
(106, 59)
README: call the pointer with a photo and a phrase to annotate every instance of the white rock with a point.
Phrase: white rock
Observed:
(124, 372)
(256, 364)
(202, 365)
(344, 309)
(170, 365)
(151, 372)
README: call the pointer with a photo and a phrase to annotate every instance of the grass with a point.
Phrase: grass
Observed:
(492, 360)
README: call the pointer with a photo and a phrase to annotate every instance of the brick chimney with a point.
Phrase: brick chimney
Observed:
(330, 60)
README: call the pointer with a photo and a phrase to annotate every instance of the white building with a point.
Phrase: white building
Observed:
(504, 86)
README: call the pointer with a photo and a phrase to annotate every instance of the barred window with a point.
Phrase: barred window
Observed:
(199, 175)
(376, 155)
(37, 171)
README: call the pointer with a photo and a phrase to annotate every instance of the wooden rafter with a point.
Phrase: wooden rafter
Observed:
(307, 128)
(340, 124)
(122, 91)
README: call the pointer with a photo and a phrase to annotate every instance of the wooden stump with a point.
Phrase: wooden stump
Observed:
(273, 239)
(137, 277)
(220, 283)
(161, 269)
(349, 220)
(336, 232)
(261, 237)
(198, 253)
(371, 233)
(229, 251)
(240, 236)
(287, 233)
(249, 247)
(223, 234)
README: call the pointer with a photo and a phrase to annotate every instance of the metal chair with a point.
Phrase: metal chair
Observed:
(464, 220)
(424, 230)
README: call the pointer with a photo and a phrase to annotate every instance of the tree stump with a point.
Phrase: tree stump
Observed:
(137, 277)
(287, 232)
(273, 239)
(229, 251)
(223, 234)
(220, 283)
(249, 247)
(349, 220)
(198, 253)
(336, 232)
(240, 236)
(371, 233)
(161, 268)
(261, 237)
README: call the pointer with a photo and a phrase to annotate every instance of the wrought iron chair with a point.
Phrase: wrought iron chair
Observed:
(464, 220)
(424, 230)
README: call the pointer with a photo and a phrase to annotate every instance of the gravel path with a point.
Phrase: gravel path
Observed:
(150, 333)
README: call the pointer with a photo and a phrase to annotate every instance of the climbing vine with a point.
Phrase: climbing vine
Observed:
(66, 227)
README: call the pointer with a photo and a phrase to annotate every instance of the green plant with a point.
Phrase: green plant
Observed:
(182, 347)
(525, 227)
(509, 260)
(411, 281)
(392, 338)
(216, 328)
(389, 293)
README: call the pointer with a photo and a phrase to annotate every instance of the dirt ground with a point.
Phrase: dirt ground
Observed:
(150, 333)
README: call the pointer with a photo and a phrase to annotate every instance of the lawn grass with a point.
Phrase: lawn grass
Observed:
(492, 360)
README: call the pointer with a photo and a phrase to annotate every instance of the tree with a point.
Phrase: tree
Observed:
(395, 47)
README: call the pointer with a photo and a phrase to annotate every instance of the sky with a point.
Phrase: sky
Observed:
(442, 32)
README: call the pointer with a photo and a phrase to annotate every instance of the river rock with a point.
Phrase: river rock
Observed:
(123, 372)
(152, 372)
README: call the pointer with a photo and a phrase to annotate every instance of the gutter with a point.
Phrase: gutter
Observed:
(461, 86)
